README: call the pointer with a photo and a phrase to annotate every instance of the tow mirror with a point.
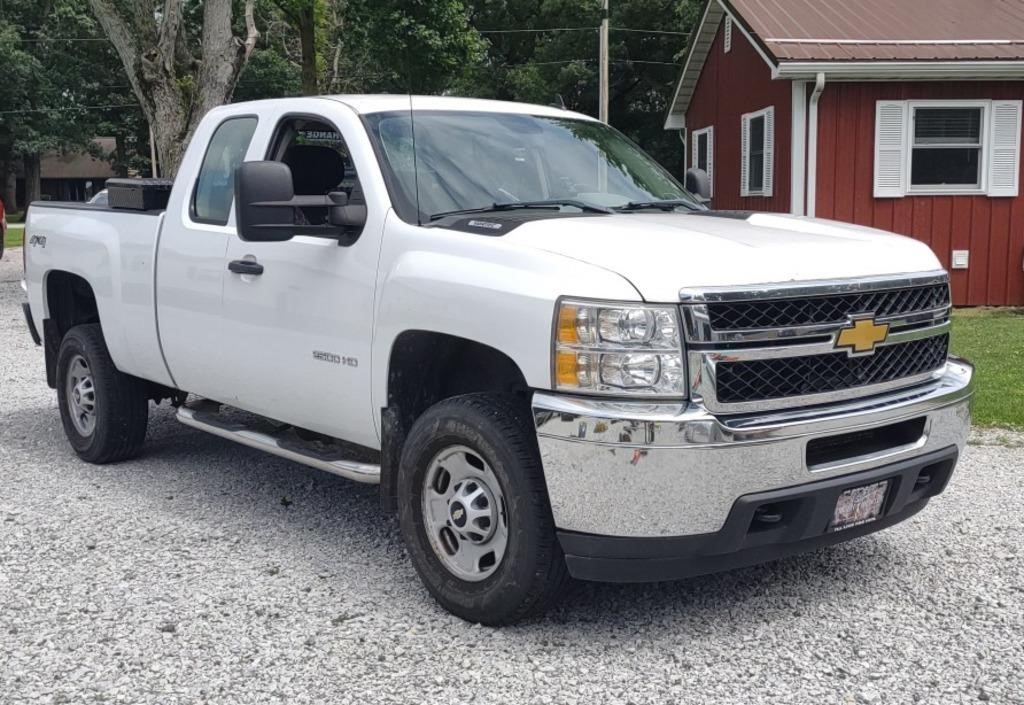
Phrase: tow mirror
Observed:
(263, 202)
(345, 212)
(267, 209)
(698, 183)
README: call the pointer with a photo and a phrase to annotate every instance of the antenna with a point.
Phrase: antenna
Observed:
(415, 165)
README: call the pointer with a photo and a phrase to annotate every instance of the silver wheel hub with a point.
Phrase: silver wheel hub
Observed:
(81, 396)
(464, 513)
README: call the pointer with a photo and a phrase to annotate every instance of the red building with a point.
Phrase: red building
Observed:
(903, 115)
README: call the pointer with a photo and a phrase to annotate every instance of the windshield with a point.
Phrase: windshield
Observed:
(466, 160)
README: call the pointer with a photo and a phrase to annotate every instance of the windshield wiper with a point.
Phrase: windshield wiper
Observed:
(668, 205)
(518, 205)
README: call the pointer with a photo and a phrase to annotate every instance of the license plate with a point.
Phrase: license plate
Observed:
(859, 505)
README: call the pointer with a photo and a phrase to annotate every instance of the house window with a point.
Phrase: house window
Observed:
(948, 147)
(758, 154)
(704, 152)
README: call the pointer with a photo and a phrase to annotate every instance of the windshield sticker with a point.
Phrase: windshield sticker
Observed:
(485, 224)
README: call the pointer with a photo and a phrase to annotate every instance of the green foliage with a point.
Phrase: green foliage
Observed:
(57, 85)
(269, 74)
(409, 45)
(423, 46)
(549, 67)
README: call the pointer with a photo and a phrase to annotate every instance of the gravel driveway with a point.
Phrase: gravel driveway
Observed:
(205, 571)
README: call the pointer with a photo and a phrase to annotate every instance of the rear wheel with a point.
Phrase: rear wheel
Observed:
(474, 511)
(104, 411)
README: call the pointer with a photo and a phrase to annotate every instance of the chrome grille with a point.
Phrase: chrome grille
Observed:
(758, 380)
(775, 346)
(804, 311)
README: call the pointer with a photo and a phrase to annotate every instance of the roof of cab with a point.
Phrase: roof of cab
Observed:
(365, 104)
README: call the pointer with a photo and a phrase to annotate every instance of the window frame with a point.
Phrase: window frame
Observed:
(984, 148)
(192, 215)
(709, 134)
(767, 189)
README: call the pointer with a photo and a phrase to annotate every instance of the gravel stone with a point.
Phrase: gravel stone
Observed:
(182, 577)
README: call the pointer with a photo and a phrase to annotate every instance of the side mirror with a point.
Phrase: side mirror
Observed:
(698, 183)
(345, 212)
(263, 195)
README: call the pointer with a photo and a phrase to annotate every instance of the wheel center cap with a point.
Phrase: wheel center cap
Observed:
(458, 514)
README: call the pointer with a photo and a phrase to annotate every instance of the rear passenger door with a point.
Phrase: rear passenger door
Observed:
(198, 225)
(301, 330)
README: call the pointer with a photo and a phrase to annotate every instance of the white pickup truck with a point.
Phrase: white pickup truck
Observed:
(554, 359)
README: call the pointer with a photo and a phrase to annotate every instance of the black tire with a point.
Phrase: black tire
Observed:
(532, 572)
(121, 401)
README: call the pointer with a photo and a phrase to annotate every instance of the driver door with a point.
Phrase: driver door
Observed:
(300, 330)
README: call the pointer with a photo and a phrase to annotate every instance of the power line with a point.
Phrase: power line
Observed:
(638, 61)
(41, 40)
(650, 31)
(590, 61)
(64, 110)
(549, 29)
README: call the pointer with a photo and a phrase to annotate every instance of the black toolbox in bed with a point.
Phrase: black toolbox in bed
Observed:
(139, 194)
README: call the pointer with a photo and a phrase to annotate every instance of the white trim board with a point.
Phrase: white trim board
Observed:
(901, 70)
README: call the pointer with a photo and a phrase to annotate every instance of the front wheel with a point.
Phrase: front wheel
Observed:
(474, 512)
(104, 411)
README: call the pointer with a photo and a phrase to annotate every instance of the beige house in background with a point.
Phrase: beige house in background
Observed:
(74, 176)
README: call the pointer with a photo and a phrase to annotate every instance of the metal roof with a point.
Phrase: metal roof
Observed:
(884, 30)
(858, 40)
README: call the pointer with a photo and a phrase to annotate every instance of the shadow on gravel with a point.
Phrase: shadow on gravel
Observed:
(333, 517)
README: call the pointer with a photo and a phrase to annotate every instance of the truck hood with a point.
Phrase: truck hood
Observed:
(665, 252)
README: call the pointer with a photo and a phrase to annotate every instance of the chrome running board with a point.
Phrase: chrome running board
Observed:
(238, 432)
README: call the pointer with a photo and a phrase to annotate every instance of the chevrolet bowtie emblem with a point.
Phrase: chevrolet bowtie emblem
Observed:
(861, 336)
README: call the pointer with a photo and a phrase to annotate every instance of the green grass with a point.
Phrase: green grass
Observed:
(14, 236)
(993, 339)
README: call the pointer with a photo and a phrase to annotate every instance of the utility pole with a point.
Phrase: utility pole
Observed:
(602, 110)
(152, 154)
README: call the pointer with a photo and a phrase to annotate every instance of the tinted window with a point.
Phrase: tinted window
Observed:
(215, 186)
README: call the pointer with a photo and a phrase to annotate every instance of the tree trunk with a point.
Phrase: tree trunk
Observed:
(174, 88)
(33, 179)
(307, 38)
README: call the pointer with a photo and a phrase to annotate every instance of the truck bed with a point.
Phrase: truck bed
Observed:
(115, 252)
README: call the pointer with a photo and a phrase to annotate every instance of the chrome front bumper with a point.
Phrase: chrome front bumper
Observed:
(637, 469)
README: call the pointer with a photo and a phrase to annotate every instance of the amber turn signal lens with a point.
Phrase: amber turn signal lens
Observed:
(566, 369)
(567, 325)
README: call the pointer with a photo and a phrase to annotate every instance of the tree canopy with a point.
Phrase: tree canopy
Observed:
(165, 62)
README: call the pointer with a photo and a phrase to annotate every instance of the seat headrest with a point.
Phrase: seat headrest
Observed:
(316, 170)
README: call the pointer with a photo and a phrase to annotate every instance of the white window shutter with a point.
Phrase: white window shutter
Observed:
(744, 156)
(1004, 150)
(728, 34)
(694, 148)
(769, 151)
(890, 148)
(711, 159)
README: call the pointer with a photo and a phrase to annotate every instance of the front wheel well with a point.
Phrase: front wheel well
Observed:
(426, 367)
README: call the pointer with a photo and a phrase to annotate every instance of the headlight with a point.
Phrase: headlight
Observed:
(618, 348)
